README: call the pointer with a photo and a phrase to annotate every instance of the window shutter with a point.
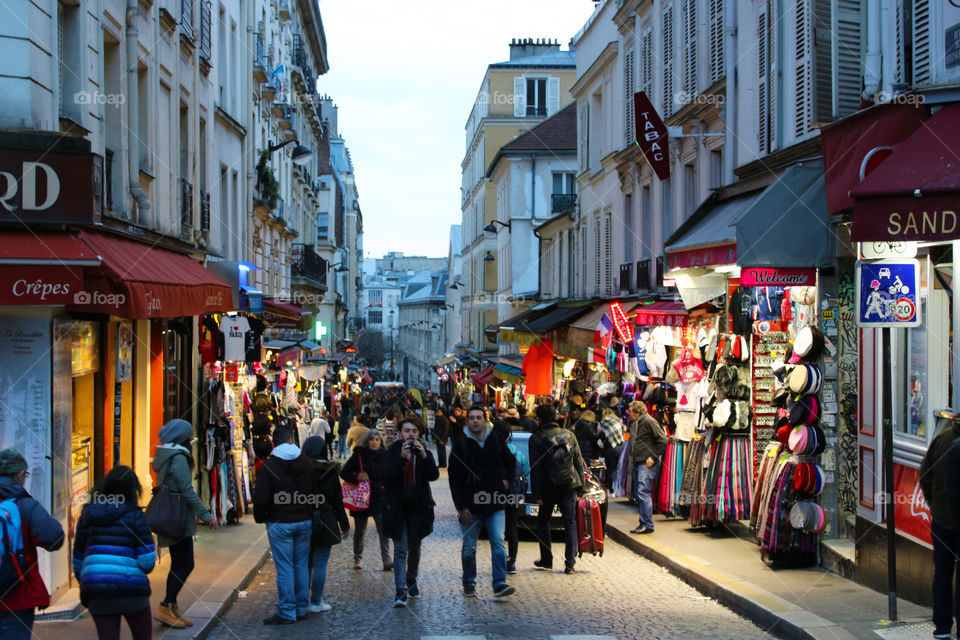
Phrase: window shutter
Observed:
(583, 258)
(763, 88)
(822, 61)
(582, 149)
(898, 34)
(519, 97)
(555, 270)
(628, 91)
(646, 62)
(849, 57)
(553, 96)
(716, 40)
(668, 61)
(598, 251)
(921, 42)
(803, 90)
(608, 255)
(690, 47)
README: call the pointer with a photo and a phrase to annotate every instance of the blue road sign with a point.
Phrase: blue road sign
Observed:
(887, 293)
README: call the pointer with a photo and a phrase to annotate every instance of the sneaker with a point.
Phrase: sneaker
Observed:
(356, 564)
(388, 566)
(641, 530)
(540, 564)
(401, 600)
(275, 619)
(503, 591)
(569, 571)
(942, 634)
(413, 590)
(511, 567)
(319, 607)
(469, 591)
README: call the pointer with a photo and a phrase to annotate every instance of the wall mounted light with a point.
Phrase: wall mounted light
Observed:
(489, 257)
(491, 228)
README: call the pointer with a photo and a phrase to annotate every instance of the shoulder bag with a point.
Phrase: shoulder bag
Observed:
(356, 495)
(168, 513)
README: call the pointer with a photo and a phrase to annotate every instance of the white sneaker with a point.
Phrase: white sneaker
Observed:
(319, 608)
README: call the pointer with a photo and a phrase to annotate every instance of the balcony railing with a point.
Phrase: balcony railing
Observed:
(204, 211)
(259, 61)
(285, 10)
(186, 19)
(626, 277)
(205, 41)
(186, 203)
(307, 265)
(536, 112)
(108, 178)
(298, 55)
(563, 202)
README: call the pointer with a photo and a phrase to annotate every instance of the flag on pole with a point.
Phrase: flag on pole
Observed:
(604, 328)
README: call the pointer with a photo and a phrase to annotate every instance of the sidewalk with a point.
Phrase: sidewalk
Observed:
(804, 604)
(226, 561)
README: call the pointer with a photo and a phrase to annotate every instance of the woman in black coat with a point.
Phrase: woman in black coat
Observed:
(365, 464)
(441, 431)
(587, 434)
(330, 521)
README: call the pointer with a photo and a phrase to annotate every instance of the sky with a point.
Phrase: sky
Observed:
(404, 76)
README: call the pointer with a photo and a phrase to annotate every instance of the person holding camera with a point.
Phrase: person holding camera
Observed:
(408, 470)
(481, 472)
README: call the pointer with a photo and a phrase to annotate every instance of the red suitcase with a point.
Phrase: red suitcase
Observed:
(589, 527)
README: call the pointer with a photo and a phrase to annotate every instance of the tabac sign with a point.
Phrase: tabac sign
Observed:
(652, 137)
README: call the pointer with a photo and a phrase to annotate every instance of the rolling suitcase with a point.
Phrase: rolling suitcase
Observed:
(589, 527)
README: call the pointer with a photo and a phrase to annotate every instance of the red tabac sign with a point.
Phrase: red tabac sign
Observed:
(777, 277)
(652, 137)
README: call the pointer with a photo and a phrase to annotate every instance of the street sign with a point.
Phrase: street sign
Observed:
(651, 135)
(888, 293)
(883, 249)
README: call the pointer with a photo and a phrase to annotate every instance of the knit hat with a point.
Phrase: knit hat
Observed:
(11, 462)
(177, 431)
(314, 447)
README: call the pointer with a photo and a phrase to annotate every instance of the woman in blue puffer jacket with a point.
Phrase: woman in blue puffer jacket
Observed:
(112, 555)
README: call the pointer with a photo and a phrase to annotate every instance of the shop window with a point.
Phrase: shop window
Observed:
(177, 378)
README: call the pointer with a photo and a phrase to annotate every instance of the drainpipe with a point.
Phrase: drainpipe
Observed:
(533, 216)
(872, 64)
(133, 117)
(730, 107)
(246, 242)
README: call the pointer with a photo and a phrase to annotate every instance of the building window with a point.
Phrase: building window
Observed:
(536, 97)
(323, 225)
(716, 168)
(689, 190)
(564, 182)
(375, 297)
(375, 316)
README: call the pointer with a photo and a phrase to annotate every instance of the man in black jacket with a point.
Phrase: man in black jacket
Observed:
(556, 478)
(648, 443)
(408, 470)
(284, 498)
(441, 431)
(481, 470)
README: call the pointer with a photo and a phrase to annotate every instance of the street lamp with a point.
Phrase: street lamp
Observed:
(488, 257)
(301, 154)
(491, 228)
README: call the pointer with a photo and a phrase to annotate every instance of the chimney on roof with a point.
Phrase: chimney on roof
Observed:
(526, 47)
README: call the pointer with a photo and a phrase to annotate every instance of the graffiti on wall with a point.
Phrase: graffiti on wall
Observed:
(847, 489)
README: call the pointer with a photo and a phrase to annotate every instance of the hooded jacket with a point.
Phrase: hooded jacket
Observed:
(935, 476)
(172, 464)
(285, 490)
(39, 530)
(112, 554)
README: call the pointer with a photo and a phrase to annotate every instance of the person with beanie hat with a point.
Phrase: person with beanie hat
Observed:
(17, 606)
(330, 521)
(173, 463)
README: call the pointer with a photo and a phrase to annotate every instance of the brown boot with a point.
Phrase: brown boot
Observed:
(167, 616)
(175, 609)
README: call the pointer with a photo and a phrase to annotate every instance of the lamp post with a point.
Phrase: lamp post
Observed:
(393, 375)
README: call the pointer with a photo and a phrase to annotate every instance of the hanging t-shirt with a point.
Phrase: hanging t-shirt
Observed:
(210, 347)
(234, 330)
(538, 369)
(251, 341)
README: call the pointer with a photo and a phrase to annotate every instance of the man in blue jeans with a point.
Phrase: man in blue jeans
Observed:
(648, 443)
(284, 498)
(481, 469)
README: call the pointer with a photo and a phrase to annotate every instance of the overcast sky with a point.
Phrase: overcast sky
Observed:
(405, 75)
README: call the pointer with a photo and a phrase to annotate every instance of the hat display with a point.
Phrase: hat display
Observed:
(805, 379)
(798, 439)
(803, 409)
(809, 345)
(783, 433)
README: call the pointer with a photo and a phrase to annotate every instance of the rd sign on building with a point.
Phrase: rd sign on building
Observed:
(888, 293)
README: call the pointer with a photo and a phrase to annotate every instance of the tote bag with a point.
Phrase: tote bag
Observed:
(168, 514)
(356, 495)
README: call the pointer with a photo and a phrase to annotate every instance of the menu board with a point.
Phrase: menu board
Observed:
(768, 348)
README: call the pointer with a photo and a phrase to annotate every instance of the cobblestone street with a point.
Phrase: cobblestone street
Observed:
(619, 595)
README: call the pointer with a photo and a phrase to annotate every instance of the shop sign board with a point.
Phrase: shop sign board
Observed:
(883, 249)
(40, 285)
(652, 136)
(777, 277)
(887, 293)
(911, 509)
(37, 186)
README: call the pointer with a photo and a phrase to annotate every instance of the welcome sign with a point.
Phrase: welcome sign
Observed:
(777, 277)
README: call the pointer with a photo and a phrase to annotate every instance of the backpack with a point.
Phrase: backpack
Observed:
(13, 560)
(559, 458)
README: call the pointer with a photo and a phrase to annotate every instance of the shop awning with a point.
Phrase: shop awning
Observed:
(913, 194)
(483, 377)
(277, 345)
(507, 330)
(137, 280)
(708, 238)
(582, 329)
(283, 315)
(42, 268)
(508, 373)
(847, 144)
(447, 359)
(788, 224)
(555, 317)
(663, 313)
(310, 346)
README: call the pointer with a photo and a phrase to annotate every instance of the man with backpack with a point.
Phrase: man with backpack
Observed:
(556, 479)
(481, 471)
(26, 525)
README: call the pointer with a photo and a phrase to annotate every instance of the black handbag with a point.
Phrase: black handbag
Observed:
(168, 513)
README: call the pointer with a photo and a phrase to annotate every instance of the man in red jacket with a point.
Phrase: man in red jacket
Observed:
(39, 529)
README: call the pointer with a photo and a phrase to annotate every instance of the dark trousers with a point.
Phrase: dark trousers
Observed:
(141, 625)
(946, 600)
(566, 499)
(441, 454)
(511, 533)
(181, 566)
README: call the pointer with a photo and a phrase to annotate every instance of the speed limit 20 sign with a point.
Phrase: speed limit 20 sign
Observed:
(888, 293)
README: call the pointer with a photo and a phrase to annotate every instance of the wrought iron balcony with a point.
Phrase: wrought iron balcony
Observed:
(260, 61)
(298, 55)
(204, 211)
(186, 203)
(626, 277)
(308, 268)
(643, 274)
(563, 202)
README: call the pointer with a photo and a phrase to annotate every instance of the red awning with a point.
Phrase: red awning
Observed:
(847, 143)
(137, 280)
(42, 268)
(913, 194)
(281, 314)
(662, 313)
(484, 377)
